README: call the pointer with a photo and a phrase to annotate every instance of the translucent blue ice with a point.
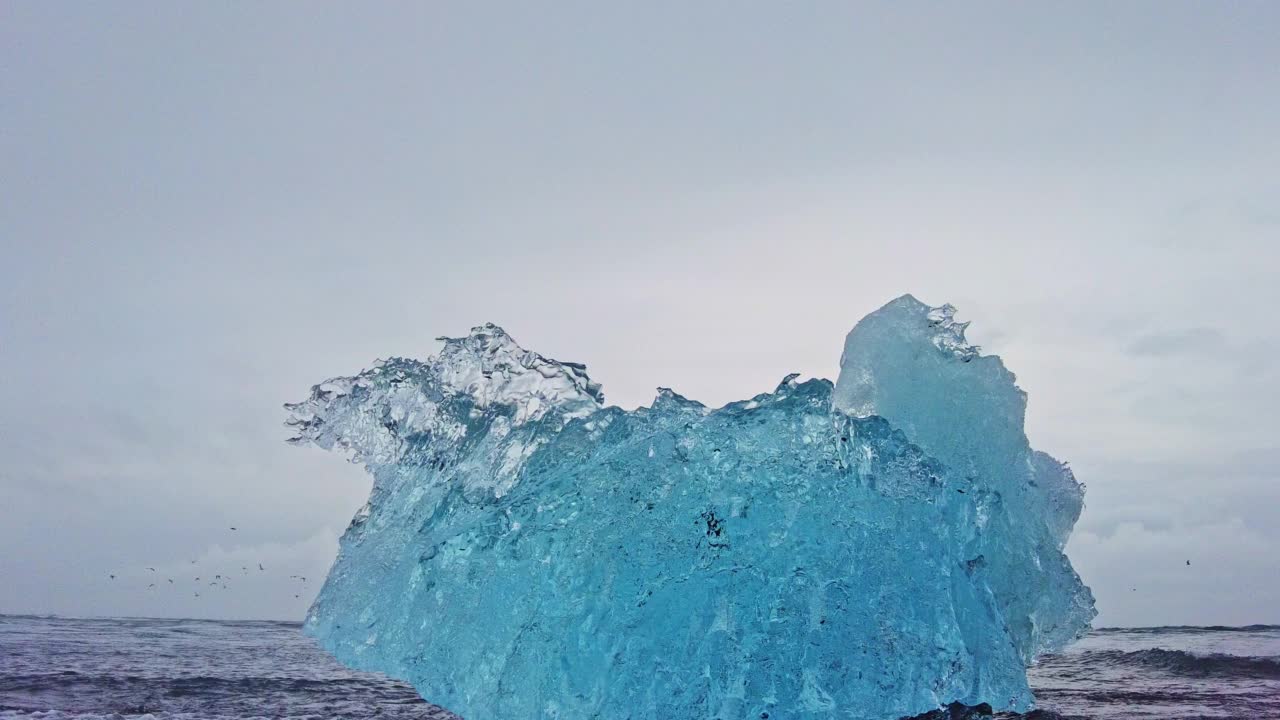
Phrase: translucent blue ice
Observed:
(875, 549)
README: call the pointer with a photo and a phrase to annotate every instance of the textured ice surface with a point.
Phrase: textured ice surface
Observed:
(873, 550)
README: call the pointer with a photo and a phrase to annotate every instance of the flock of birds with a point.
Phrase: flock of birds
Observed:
(218, 579)
(221, 582)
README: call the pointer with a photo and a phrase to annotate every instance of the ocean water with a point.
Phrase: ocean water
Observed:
(56, 668)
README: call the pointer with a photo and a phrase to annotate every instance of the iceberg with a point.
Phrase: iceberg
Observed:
(882, 547)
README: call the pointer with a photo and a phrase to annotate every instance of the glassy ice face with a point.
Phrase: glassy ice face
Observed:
(874, 549)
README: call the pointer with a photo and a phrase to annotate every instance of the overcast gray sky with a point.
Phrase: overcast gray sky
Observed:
(206, 208)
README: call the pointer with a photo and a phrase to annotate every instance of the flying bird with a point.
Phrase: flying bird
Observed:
(152, 569)
(151, 585)
(1188, 563)
(260, 566)
(113, 577)
(170, 581)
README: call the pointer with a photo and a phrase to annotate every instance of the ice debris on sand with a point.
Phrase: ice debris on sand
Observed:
(878, 548)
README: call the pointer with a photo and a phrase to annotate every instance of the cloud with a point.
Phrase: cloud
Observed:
(1140, 576)
(170, 278)
(1178, 342)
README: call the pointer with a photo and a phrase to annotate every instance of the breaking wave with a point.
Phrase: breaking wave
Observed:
(1181, 662)
(1185, 629)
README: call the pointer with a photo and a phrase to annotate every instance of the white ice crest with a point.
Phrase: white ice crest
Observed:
(949, 334)
(490, 367)
(379, 414)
